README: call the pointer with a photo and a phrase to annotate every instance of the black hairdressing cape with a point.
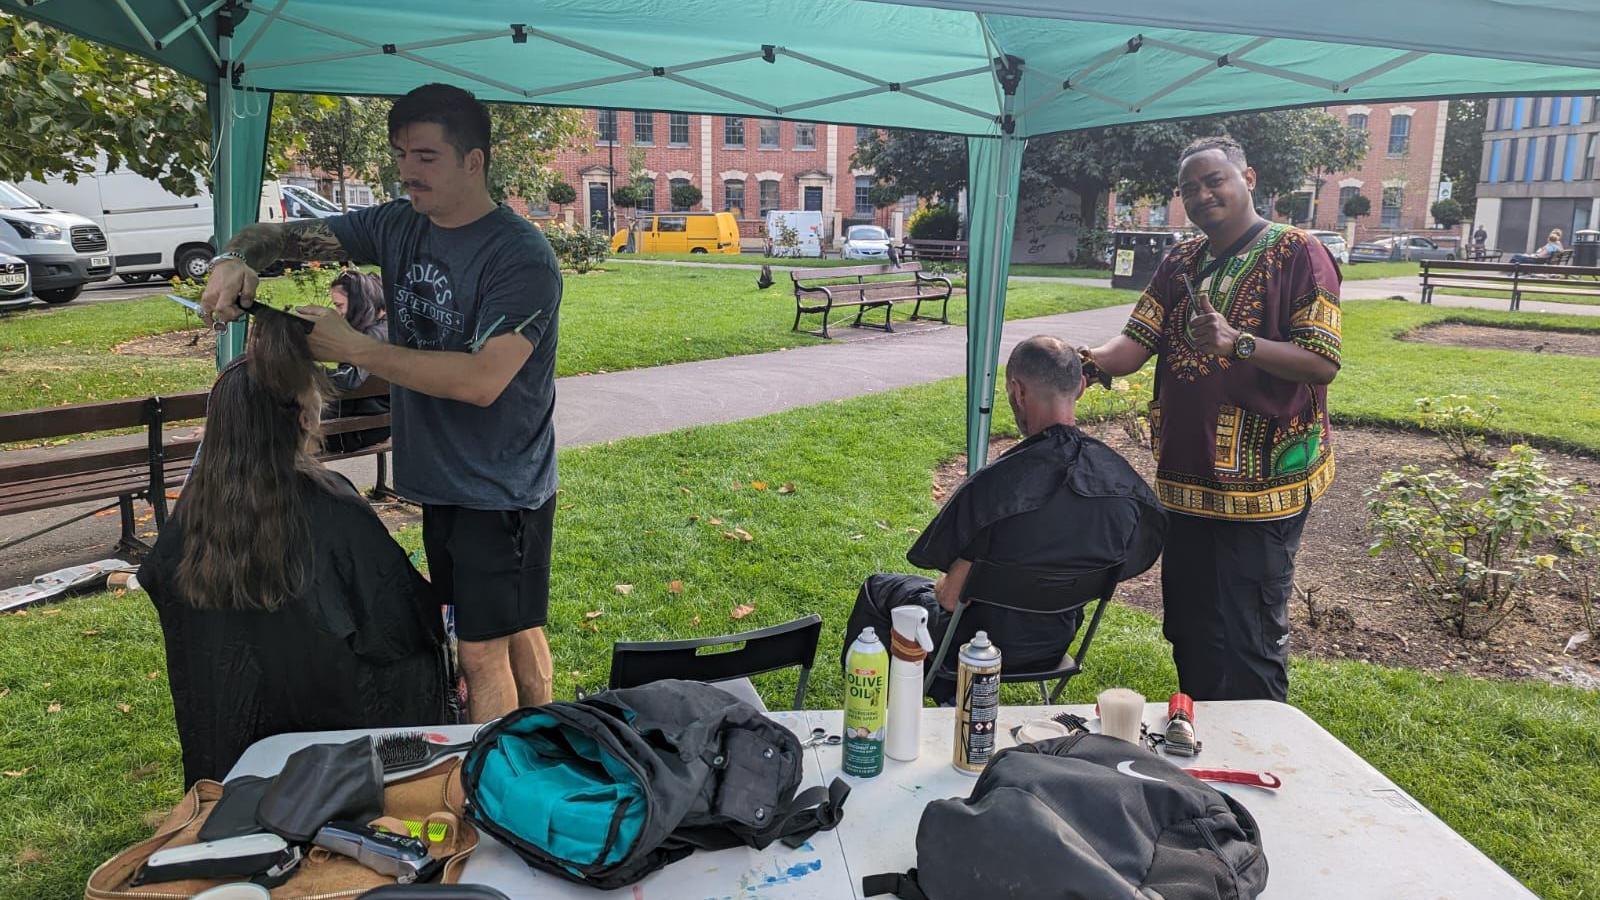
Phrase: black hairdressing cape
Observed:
(362, 646)
(1028, 475)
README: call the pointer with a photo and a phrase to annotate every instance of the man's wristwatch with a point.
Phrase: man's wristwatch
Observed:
(1244, 346)
(227, 254)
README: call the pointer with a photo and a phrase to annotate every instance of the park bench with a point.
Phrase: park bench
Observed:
(823, 290)
(1514, 278)
(126, 468)
(934, 251)
(1484, 254)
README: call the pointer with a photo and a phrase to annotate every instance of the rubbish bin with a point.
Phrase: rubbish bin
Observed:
(1586, 248)
(1136, 257)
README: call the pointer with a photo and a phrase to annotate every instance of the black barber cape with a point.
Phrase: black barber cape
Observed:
(1058, 499)
(362, 646)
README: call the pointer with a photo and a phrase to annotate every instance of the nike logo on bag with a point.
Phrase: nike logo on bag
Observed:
(1126, 768)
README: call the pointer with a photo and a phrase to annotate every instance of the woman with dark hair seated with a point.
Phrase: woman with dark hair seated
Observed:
(284, 603)
(359, 298)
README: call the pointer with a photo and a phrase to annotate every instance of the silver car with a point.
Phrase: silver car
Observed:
(1336, 245)
(1393, 249)
(865, 242)
(16, 287)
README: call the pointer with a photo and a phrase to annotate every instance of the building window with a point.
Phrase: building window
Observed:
(1345, 195)
(1510, 173)
(1594, 109)
(1570, 168)
(1574, 110)
(733, 196)
(1507, 113)
(1547, 167)
(644, 128)
(606, 126)
(863, 195)
(1555, 111)
(1399, 135)
(1589, 157)
(673, 186)
(1491, 116)
(1519, 113)
(1393, 199)
(805, 136)
(769, 197)
(732, 132)
(1158, 216)
(1536, 113)
(678, 129)
(647, 195)
(769, 135)
(1357, 121)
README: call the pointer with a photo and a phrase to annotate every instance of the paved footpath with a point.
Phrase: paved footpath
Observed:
(593, 409)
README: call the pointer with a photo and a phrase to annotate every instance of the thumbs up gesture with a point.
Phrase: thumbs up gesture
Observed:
(1209, 330)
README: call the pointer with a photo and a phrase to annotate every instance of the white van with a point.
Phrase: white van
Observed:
(807, 224)
(153, 232)
(64, 251)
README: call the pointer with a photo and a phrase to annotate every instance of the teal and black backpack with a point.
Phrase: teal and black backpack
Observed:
(605, 790)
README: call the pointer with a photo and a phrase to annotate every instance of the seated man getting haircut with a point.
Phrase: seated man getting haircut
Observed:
(1057, 500)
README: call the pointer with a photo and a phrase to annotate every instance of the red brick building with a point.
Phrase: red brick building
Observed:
(1400, 176)
(744, 165)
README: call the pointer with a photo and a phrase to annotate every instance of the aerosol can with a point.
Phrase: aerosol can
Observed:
(866, 680)
(909, 645)
(977, 704)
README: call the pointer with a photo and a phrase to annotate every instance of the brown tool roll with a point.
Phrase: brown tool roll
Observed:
(322, 876)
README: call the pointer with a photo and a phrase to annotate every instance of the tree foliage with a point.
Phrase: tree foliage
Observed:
(1463, 152)
(338, 138)
(685, 196)
(1358, 206)
(1448, 212)
(560, 191)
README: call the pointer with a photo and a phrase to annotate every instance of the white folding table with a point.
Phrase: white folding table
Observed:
(1337, 828)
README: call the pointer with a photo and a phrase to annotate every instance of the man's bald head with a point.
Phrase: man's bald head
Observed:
(1047, 364)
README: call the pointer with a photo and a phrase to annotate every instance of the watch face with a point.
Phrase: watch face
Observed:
(1245, 346)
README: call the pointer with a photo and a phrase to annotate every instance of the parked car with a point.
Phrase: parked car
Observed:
(865, 242)
(1402, 247)
(1336, 245)
(304, 203)
(64, 251)
(16, 288)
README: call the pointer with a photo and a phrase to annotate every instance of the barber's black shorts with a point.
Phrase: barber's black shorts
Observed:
(493, 565)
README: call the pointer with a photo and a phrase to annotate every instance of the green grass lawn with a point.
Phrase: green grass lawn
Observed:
(622, 317)
(1527, 296)
(1553, 398)
(1514, 767)
(1369, 271)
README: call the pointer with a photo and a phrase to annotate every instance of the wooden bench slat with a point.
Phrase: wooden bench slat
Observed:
(853, 271)
(78, 418)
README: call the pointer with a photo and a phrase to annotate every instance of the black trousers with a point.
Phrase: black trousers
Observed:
(1225, 590)
(1026, 641)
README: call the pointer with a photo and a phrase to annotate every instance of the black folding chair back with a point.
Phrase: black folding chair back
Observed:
(1043, 592)
(634, 663)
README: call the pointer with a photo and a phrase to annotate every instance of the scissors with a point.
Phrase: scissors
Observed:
(821, 738)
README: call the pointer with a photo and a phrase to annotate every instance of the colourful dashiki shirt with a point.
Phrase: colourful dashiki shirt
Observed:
(1230, 440)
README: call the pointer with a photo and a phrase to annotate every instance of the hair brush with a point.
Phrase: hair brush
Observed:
(403, 750)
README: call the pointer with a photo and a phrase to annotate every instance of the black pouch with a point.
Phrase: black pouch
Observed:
(235, 814)
(321, 783)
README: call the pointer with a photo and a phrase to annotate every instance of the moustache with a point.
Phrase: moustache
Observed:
(416, 186)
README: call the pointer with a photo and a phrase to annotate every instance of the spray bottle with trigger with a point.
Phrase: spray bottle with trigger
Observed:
(909, 645)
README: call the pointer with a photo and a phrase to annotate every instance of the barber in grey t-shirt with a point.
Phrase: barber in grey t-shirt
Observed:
(474, 293)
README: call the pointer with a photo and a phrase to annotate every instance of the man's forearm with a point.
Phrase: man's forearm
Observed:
(263, 244)
(1291, 362)
(466, 377)
(1120, 356)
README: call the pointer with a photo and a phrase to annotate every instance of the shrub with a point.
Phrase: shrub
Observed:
(685, 196)
(626, 196)
(1473, 550)
(1358, 207)
(934, 223)
(579, 249)
(561, 192)
(1447, 212)
(1459, 425)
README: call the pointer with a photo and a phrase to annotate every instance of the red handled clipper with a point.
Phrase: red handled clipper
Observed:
(1180, 738)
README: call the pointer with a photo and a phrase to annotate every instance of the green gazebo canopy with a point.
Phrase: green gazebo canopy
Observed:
(996, 71)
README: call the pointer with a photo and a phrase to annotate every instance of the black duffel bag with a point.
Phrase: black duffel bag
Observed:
(607, 789)
(1083, 817)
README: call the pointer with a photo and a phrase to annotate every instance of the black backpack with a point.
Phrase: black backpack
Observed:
(605, 790)
(1083, 817)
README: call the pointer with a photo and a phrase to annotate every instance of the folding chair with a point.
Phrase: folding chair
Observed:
(1034, 591)
(777, 647)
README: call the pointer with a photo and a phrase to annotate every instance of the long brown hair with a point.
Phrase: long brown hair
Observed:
(245, 508)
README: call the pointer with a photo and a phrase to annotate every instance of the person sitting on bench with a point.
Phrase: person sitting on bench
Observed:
(1059, 500)
(1552, 246)
(358, 297)
(284, 603)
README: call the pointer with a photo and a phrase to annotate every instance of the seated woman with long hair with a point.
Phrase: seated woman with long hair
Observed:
(358, 297)
(284, 603)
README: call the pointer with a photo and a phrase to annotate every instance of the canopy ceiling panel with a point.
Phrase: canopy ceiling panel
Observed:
(912, 64)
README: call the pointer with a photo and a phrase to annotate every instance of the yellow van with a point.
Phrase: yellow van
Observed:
(685, 232)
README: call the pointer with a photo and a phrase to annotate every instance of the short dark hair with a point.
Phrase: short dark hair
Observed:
(465, 120)
(1048, 362)
(1229, 147)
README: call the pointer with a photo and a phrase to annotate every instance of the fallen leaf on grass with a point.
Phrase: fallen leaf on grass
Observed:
(883, 525)
(18, 773)
(124, 708)
(46, 685)
(153, 676)
(758, 485)
(28, 856)
(674, 587)
(787, 488)
(739, 534)
(683, 490)
(566, 506)
(713, 521)
(623, 589)
(144, 771)
(742, 610)
(5, 692)
(53, 708)
(89, 632)
(857, 537)
(593, 614)
(738, 485)
(695, 621)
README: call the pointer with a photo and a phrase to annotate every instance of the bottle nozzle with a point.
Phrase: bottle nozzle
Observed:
(911, 623)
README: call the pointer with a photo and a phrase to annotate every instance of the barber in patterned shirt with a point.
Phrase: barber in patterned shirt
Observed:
(1244, 325)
